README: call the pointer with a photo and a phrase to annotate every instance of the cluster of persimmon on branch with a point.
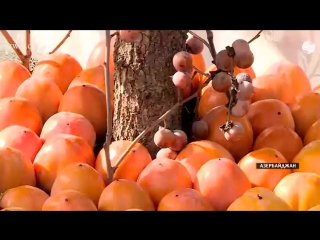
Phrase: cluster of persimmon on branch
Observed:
(238, 89)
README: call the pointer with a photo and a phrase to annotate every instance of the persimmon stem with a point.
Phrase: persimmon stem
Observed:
(61, 42)
(256, 36)
(106, 145)
(199, 71)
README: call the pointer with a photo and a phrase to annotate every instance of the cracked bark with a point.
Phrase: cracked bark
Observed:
(143, 88)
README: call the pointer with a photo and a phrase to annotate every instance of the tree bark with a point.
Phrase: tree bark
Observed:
(143, 88)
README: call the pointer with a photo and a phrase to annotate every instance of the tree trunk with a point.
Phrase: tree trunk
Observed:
(143, 88)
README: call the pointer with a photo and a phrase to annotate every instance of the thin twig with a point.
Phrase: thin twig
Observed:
(158, 121)
(13, 44)
(109, 109)
(199, 71)
(256, 36)
(62, 42)
(212, 47)
(27, 57)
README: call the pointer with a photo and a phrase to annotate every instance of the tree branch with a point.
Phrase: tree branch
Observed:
(27, 57)
(62, 42)
(212, 48)
(106, 145)
(256, 36)
(13, 44)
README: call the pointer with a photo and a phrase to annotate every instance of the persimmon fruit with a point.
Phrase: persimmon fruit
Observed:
(163, 176)
(163, 138)
(21, 138)
(222, 182)
(181, 79)
(221, 82)
(194, 45)
(182, 61)
(184, 199)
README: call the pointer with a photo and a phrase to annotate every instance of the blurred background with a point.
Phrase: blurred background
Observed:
(301, 47)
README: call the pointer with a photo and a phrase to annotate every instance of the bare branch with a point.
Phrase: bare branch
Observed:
(27, 57)
(13, 44)
(106, 145)
(256, 36)
(62, 42)
(212, 47)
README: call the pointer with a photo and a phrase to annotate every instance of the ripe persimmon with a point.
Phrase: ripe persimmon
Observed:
(305, 111)
(57, 153)
(80, 177)
(69, 123)
(21, 138)
(313, 133)
(123, 194)
(12, 74)
(259, 199)
(308, 158)
(184, 199)
(197, 153)
(131, 166)
(301, 191)
(89, 101)
(268, 113)
(15, 169)
(222, 182)
(43, 93)
(209, 99)
(289, 82)
(280, 138)
(19, 111)
(97, 56)
(69, 200)
(217, 117)
(61, 67)
(94, 75)
(267, 178)
(163, 176)
(26, 197)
